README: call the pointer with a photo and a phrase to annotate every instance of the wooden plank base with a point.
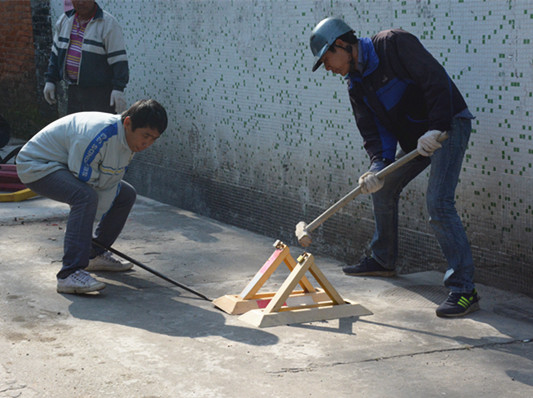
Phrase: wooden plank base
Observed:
(259, 318)
(234, 304)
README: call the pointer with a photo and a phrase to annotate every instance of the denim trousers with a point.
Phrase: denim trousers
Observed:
(440, 200)
(84, 99)
(63, 187)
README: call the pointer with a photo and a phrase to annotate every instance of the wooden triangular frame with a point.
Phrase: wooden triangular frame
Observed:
(250, 298)
(286, 305)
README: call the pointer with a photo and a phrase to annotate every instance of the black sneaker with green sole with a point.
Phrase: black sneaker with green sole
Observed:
(459, 304)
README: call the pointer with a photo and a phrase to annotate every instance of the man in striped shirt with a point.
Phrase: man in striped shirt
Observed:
(89, 53)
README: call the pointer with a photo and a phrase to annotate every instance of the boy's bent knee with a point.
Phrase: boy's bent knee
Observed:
(84, 195)
(128, 192)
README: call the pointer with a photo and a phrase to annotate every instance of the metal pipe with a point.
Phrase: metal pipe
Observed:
(153, 271)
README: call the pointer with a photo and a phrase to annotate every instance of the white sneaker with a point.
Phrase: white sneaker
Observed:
(79, 282)
(106, 262)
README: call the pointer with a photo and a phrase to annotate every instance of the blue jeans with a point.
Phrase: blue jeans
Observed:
(62, 186)
(83, 99)
(443, 218)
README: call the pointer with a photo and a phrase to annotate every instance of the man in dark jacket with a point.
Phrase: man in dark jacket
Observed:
(401, 95)
(89, 53)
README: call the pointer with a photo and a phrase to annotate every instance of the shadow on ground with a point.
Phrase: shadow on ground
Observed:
(139, 303)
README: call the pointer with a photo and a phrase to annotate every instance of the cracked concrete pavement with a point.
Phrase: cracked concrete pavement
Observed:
(143, 337)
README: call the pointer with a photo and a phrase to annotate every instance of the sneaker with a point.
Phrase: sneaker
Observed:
(79, 282)
(106, 262)
(459, 304)
(368, 267)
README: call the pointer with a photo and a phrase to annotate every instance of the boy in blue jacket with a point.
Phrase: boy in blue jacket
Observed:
(80, 160)
(401, 95)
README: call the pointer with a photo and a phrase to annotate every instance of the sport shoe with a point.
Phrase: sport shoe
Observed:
(106, 262)
(459, 304)
(368, 267)
(79, 282)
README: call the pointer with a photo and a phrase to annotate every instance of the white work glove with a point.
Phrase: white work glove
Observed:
(370, 183)
(50, 93)
(427, 144)
(117, 100)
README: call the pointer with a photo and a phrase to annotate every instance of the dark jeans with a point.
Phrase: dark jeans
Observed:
(85, 99)
(443, 218)
(63, 187)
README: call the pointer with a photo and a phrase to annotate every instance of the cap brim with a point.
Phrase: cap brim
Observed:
(318, 58)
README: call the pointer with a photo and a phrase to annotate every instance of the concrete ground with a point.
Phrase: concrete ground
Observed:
(143, 337)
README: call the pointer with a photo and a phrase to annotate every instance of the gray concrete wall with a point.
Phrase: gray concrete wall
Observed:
(259, 141)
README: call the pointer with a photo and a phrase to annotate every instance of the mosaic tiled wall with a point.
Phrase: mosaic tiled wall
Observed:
(258, 140)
